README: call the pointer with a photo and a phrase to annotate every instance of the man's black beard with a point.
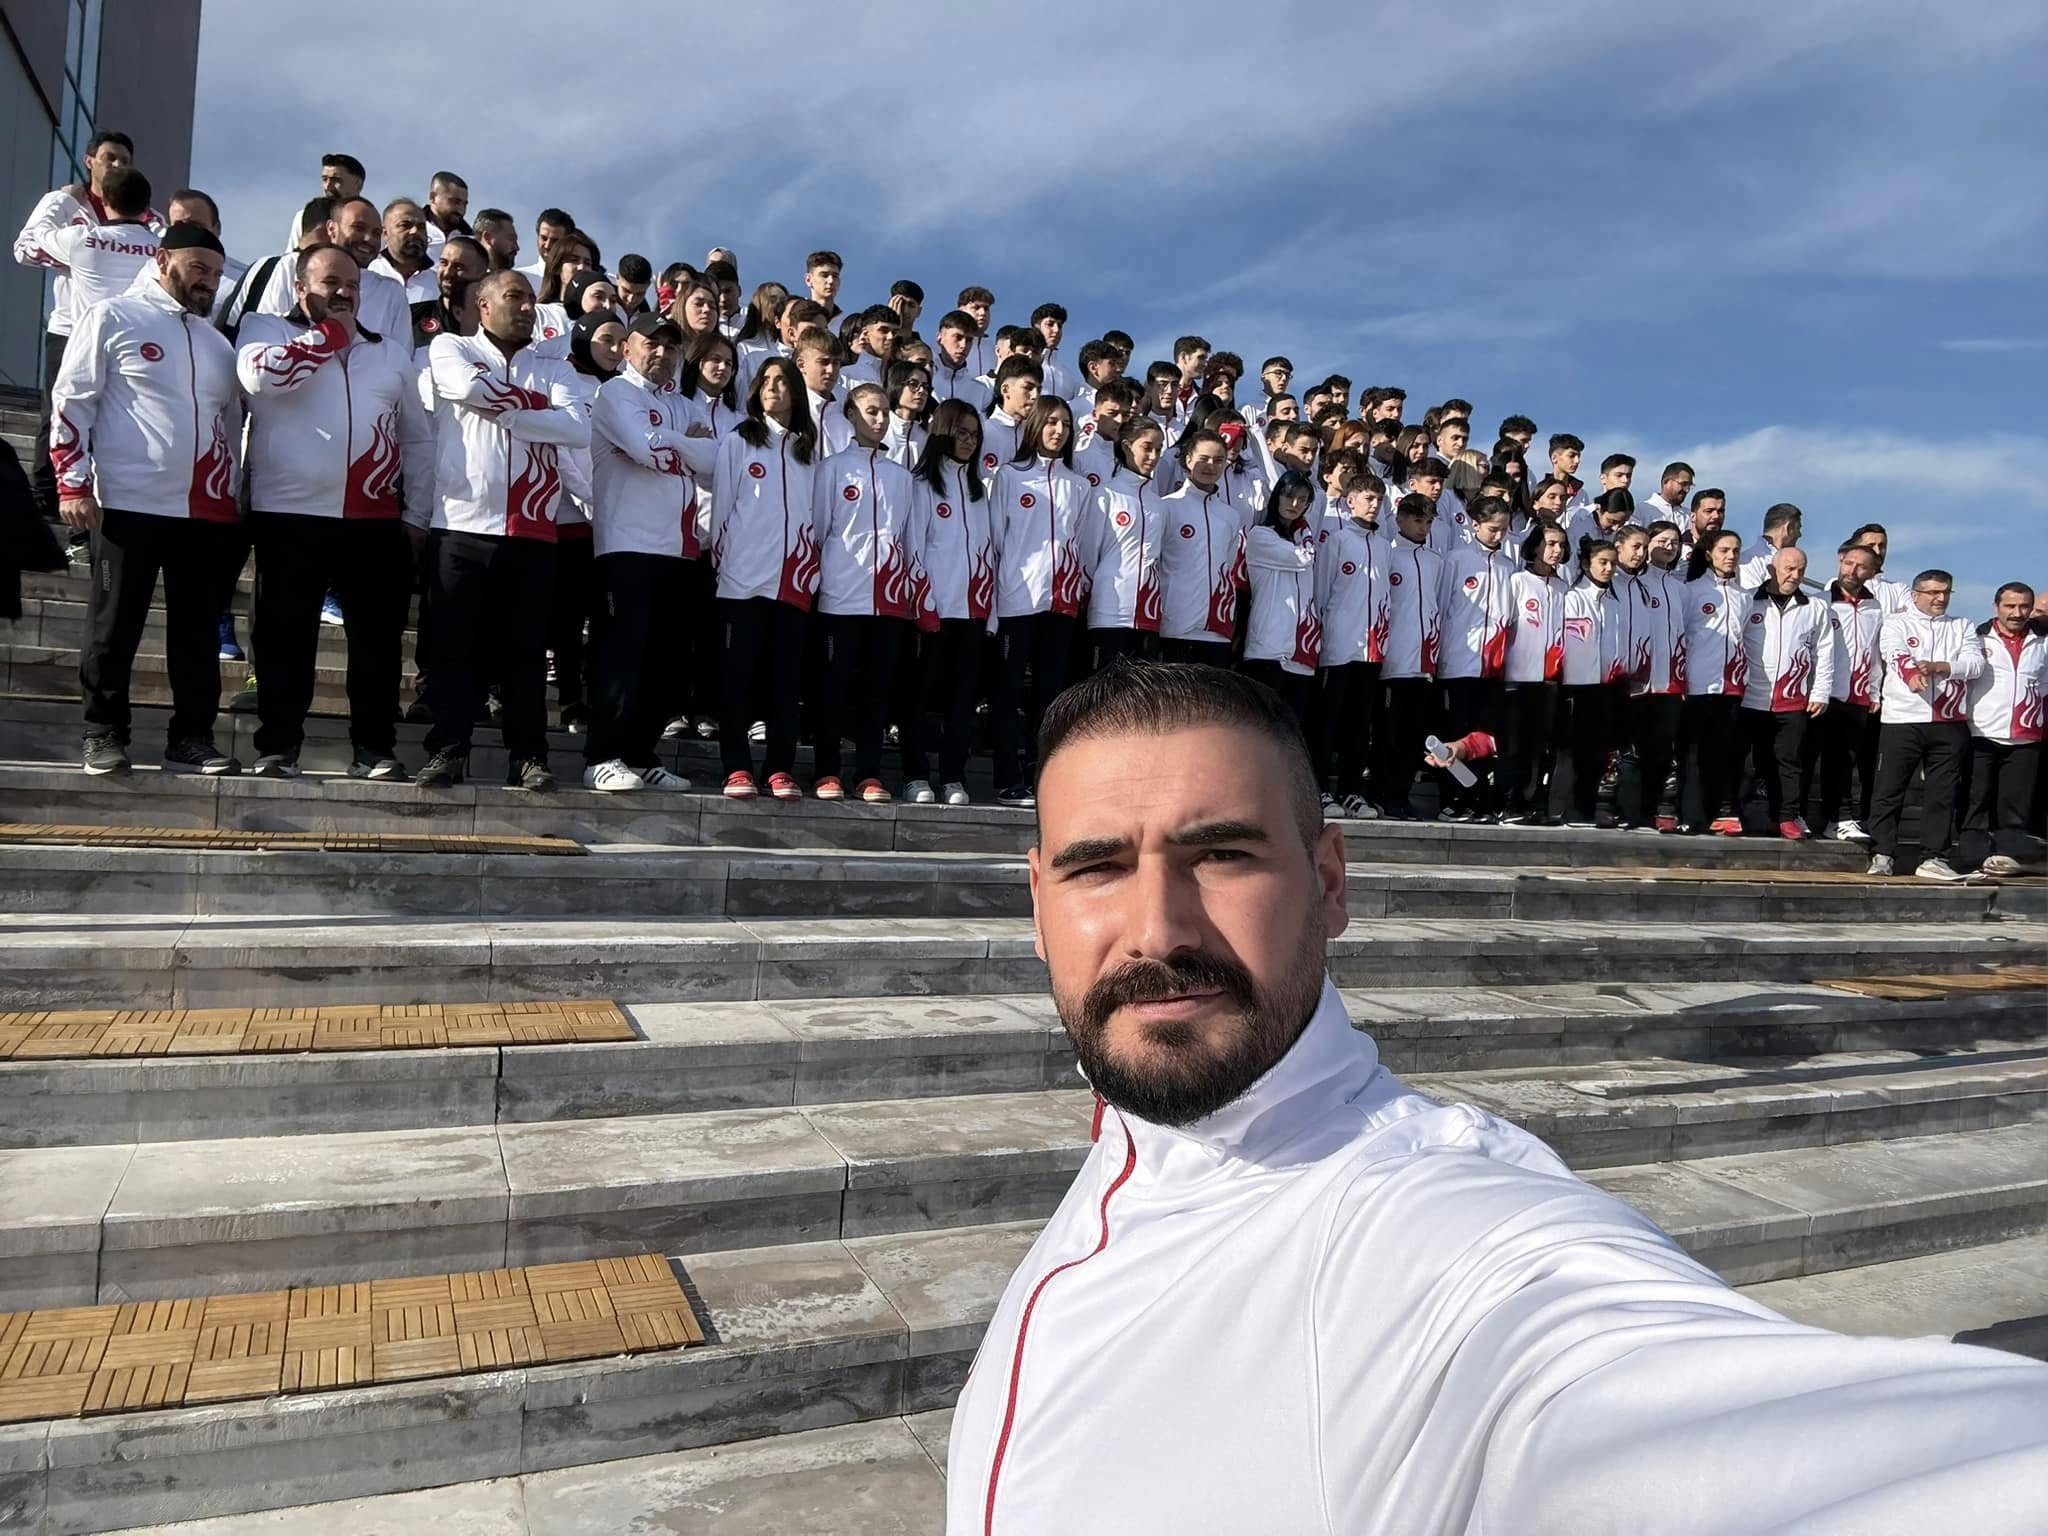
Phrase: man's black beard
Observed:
(1192, 1084)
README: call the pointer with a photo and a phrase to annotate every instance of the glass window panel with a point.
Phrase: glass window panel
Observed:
(89, 64)
(74, 37)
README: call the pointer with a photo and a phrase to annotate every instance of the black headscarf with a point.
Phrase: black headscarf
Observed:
(572, 294)
(580, 332)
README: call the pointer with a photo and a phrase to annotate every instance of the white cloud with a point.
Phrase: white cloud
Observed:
(1996, 344)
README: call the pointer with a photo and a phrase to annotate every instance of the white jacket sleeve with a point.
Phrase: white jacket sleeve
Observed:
(1969, 660)
(621, 423)
(456, 382)
(279, 367)
(75, 404)
(33, 246)
(415, 446)
(563, 421)
(1269, 551)
(1825, 644)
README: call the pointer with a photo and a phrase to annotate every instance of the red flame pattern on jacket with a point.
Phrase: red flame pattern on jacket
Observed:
(981, 583)
(800, 570)
(1069, 580)
(1863, 680)
(1308, 638)
(924, 608)
(1950, 701)
(1493, 646)
(894, 597)
(67, 453)
(2029, 717)
(530, 500)
(1795, 683)
(1432, 649)
(1678, 663)
(372, 489)
(1377, 636)
(212, 496)
(1735, 675)
(1151, 604)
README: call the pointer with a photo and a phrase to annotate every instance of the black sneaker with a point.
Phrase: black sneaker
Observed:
(277, 765)
(444, 770)
(106, 755)
(198, 754)
(1018, 795)
(368, 765)
(532, 775)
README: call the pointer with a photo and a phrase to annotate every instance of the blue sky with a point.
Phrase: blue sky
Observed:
(1800, 246)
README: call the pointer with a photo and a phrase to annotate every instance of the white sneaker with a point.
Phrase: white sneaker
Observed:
(660, 778)
(1939, 869)
(919, 792)
(612, 778)
(758, 732)
(1358, 808)
(956, 794)
(1880, 864)
(674, 728)
(1851, 831)
(706, 727)
(1999, 866)
(1332, 806)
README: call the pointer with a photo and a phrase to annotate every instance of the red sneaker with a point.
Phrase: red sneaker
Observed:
(740, 786)
(829, 788)
(1726, 826)
(872, 791)
(1791, 831)
(783, 787)
(1667, 823)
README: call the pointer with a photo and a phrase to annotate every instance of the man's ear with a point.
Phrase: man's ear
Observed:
(1330, 880)
(1037, 935)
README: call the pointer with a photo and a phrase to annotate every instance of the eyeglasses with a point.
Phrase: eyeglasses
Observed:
(1931, 591)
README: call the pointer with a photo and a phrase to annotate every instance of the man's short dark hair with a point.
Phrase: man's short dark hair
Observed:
(819, 259)
(194, 195)
(1122, 390)
(1162, 370)
(1935, 575)
(1276, 362)
(348, 163)
(904, 288)
(2012, 586)
(1017, 366)
(1510, 425)
(1183, 345)
(1154, 697)
(1853, 542)
(1617, 461)
(1056, 312)
(958, 320)
(1093, 352)
(305, 257)
(1711, 493)
(560, 217)
(108, 136)
(1675, 467)
(127, 192)
(975, 294)
(318, 211)
(1866, 530)
(1121, 340)
(635, 268)
(447, 179)
(492, 216)
(1780, 514)
(721, 271)
(1565, 442)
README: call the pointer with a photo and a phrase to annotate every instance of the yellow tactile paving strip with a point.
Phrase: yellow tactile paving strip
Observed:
(211, 840)
(1916, 988)
(349, 1027)
(70, 1361)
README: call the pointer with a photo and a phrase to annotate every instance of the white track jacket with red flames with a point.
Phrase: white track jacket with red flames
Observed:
(1716, 618)
(1415, 635)
(1201, 564)
(335, 421)
(1475, 610)
(1858, 670)
(1120, 548)
(500, 431)
(1038, 512)
(146, 410)
(959, 547)
(1908, 641)
(645, 489)
(1351, 582)
(36, 246)
(863, 516)
(1536, 645)
(762, 541)
(1791, 646)
(1337, 1306)
(2009, 698)
(1657, 620)
(1285, 624)
(1594, 636)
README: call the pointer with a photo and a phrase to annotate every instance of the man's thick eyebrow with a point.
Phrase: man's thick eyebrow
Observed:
(1088, 850)
(1208, 834)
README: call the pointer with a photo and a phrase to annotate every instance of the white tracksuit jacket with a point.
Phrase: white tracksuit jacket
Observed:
(35, 246)
(1593, 634)
(998, 442)
(381, 304)
(1095, 460)
(762, 541)
(1536, 646)
(1858, 670)
(959, 547)
(950, 383)
(334, 421)
(904, 441)
(864, 519)
(501, 475)
(1201, 564)
(1285, 624)
(1716, 618)
(1120, 549)
(2009, 698)
(1476, 610)
(1791, 651)
(101, 261)
(1353, 594)
(1906, 643)
(1338, 1306)
(1659, 632)
(1038, 512)
(146, 412)
(1415, 637)
(644, 491)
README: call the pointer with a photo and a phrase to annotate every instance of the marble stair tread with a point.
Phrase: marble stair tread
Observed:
(1994, 1294)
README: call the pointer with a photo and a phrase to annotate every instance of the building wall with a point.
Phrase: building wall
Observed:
(134, 71)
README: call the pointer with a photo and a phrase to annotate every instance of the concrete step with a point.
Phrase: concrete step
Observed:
(1995, 1295)
(56, 623)
(637, 880)
(322, 1209)
(880, 1478)
(807, 1336)
(325, 799)
(766, 1055)
(112, 961)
